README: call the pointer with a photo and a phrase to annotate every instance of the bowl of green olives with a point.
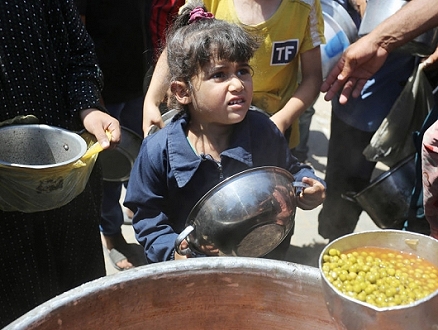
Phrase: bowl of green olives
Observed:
(381, 279)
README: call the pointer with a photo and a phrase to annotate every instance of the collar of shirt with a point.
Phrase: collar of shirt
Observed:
(185, 162)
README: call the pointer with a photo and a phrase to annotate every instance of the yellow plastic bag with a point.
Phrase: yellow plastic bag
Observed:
(32, 190)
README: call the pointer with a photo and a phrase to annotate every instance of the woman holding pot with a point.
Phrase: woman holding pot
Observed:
(49, 70)
(213, 137)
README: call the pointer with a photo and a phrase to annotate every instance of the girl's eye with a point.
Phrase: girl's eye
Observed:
(217, 75)
(244, 72)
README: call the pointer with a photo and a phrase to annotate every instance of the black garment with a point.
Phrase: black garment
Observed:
(120, 32)
(48, 69)
(347, 171)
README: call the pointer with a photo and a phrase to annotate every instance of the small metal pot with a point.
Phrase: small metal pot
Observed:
(352, 314)
(247, 214)
(117, 162)
(387, 198)
(41, 167)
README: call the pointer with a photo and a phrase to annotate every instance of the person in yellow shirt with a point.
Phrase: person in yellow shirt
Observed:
(291, 33)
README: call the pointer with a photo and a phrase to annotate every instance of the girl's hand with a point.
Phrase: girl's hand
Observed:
(184, 245)
(312, 196)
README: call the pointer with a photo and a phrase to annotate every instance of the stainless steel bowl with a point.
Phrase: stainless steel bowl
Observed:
(248, 214)
(352, 314)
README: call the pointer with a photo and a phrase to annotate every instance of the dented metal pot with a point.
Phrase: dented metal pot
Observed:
(248, 214)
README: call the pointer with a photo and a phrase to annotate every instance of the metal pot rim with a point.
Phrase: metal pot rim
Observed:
(384, 176)
(45, 127)
(356, 301)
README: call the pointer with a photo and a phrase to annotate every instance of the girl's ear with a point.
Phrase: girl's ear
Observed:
(181, 92)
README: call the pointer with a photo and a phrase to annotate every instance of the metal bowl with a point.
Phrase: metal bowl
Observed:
(353, 314)
(117, 162)
(248, 214)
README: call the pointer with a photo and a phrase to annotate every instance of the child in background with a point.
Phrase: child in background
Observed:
(213, 137)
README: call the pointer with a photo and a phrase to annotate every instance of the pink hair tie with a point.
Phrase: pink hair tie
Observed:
(198, 14)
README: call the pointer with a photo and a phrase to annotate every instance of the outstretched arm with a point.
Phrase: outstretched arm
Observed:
(156, 94)
(364, 58)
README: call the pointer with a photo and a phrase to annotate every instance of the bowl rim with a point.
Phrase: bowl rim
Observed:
(221, 184)
(365, 304)
(45, 127)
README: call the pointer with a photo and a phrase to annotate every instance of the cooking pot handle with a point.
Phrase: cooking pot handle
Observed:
(349, 196)
(181, 237)
(297, 184)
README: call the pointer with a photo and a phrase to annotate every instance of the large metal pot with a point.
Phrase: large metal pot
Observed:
(117, 162)
(200, 293)
(352, 314)
(247, 214)
(378, 10)
(41, 167)
(387, 198)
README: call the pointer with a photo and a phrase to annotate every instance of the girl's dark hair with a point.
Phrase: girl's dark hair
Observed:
(190, 45)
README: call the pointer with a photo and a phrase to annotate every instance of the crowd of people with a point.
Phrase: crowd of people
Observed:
(240, 73)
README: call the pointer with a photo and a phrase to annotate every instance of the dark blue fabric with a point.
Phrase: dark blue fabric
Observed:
(367, 112)
(168, 178)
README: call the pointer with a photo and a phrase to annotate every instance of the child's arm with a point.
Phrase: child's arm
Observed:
(156, 94)
(306, 93)
(146, 196)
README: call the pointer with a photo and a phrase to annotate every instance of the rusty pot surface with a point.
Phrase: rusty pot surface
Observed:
(352, 314)
(200, 293)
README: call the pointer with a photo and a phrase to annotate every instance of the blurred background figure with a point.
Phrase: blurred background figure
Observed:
(120, 31)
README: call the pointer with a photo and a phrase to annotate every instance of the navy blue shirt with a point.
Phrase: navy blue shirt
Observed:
(168, 177)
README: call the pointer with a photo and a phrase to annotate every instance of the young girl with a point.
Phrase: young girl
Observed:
(287, 65)
(213, 137)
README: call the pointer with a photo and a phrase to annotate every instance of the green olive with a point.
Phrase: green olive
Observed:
(380, 277)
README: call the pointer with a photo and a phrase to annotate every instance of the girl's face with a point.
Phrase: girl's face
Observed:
(221, 93)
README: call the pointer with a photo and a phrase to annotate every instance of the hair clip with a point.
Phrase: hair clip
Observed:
(199, 13)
